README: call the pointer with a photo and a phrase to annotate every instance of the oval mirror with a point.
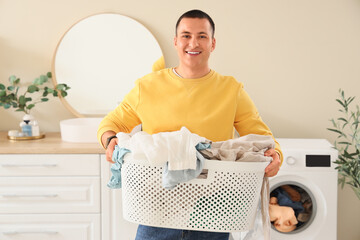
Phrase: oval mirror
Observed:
(100, 57)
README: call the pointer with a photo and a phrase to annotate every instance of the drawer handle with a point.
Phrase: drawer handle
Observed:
(29, 165)
(30, 232)
(33, 195)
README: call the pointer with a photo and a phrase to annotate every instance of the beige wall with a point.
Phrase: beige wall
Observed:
(292, 56)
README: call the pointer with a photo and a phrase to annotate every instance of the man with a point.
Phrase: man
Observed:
(190, 95)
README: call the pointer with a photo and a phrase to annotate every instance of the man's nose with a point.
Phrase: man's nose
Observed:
(193, 43)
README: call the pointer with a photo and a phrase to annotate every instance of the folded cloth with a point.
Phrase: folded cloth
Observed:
(249, 148)
(175, 148)
(170, 178)
(118, 158)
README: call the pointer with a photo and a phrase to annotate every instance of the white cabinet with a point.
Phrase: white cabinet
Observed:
(50, 196)
(49, 226)
(114, 225)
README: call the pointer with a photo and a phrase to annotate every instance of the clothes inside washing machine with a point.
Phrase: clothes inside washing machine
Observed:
(290, 208)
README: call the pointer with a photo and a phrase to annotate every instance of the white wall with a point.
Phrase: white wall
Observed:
(292, 56)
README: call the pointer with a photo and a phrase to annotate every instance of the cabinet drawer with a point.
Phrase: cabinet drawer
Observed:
(49, 165)
(49, 194)
(50, 227)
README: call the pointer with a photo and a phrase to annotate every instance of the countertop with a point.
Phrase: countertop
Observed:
(52, 143)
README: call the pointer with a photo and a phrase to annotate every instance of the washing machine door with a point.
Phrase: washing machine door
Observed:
(313, 219)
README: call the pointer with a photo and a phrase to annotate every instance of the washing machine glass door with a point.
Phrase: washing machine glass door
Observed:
(294, 204)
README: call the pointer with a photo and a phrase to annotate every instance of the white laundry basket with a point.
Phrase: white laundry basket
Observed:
(224, 202)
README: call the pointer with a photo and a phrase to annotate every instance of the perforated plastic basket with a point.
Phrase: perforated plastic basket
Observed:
(224, 202)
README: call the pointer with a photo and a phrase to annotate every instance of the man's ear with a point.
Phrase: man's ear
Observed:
(175, 41)
(213, 44)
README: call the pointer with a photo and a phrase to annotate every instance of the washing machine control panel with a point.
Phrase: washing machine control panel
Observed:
(318, 160)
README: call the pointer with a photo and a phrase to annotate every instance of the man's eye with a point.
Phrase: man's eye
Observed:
(203, 36)
(185, 36)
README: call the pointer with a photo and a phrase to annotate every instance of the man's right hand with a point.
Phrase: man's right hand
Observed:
(110, 149)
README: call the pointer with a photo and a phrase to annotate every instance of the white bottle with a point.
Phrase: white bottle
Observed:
(35, 128)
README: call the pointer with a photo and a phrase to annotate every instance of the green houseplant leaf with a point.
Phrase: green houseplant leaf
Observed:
(38, 91)
(347, 143)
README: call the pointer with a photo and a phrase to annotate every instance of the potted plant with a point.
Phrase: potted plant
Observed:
(348, 143)
(35, 93)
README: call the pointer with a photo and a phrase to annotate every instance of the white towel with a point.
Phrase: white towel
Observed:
(177, 148)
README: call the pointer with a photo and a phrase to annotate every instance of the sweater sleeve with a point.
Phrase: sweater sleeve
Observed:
(248, 121)
(124, 117)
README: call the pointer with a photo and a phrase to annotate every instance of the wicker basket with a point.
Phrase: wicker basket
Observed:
(225, 201)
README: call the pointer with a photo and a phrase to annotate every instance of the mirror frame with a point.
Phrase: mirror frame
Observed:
(54, 80)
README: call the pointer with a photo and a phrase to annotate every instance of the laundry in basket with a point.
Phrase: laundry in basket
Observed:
(226, 201)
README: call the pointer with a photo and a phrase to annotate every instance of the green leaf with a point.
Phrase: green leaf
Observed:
(2, 86)
(44, 99)
(12, 96)
(37, 81)
(11, 88)
(30, 106)
(28, 99)
(342, 119)
(22, 100)
(50, 90)
(349, 100)
(2, 93)
(7, 106)
(63, 93)
(43, 78)
(32, 88)
(342, 104)
(335, 130)
(60, 86)
(49, 74)
(12, 79)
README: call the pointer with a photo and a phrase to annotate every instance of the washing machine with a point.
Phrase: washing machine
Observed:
(308, 168)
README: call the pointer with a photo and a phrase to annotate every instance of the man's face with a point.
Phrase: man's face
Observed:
(194, 42)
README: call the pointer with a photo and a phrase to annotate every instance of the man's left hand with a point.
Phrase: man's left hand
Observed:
(273, 168)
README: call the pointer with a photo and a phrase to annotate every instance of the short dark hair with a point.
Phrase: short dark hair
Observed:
(196, 14)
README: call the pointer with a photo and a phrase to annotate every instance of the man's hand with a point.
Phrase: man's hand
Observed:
(110, 148)
(273, 168)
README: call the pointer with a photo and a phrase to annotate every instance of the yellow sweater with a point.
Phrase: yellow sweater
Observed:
(210, 106)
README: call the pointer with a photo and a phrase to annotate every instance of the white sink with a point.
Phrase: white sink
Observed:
(81, 130)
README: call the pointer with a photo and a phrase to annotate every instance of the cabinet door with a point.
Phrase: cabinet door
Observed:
(114, 227)
(50, 227)
(49, 194)
(49, 165)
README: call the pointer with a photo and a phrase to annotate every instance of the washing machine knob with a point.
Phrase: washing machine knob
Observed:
(290, 160)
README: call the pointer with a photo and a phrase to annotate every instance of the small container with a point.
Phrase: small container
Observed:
(35, 128)
(13, 133)
(26, 129)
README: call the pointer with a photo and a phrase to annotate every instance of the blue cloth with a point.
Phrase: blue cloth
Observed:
(171, 178)
(156, 233)
(118, 158)
(285, 200)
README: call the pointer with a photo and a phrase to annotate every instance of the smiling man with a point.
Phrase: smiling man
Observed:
(191, 95)
(194, 42)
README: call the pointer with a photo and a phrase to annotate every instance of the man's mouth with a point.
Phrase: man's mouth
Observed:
(192, 52)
